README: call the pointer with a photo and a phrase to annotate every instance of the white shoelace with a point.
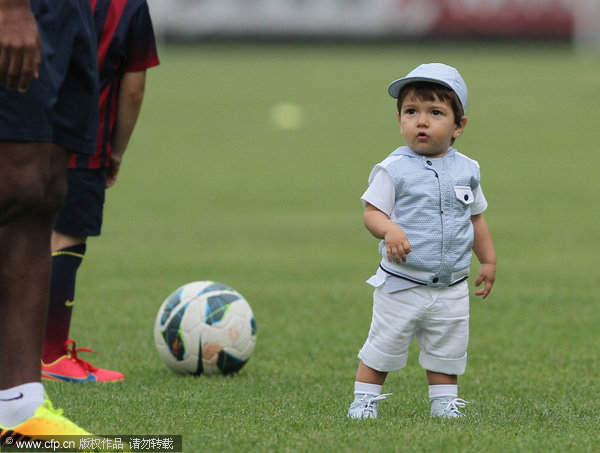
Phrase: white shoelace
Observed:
(452, 406)
(370, 403)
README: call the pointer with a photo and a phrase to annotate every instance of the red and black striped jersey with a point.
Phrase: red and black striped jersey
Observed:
(126, 43)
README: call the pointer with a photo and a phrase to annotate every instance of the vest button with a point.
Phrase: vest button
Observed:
(435, 280)
(466, 197)
(429, 162)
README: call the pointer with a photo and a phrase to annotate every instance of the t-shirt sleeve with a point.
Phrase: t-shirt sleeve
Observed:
(479, 202)
(380, 192)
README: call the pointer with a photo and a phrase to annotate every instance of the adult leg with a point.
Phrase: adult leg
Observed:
(33, 186)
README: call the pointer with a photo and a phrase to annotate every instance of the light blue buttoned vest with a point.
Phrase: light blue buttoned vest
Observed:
(432, 206)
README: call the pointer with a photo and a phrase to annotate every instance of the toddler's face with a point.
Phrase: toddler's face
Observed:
(428, 126)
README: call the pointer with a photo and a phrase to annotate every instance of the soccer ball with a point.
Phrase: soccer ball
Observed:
(205, 327)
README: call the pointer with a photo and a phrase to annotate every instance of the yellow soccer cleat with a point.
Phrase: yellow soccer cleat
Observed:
(46, 423)
(50, 425)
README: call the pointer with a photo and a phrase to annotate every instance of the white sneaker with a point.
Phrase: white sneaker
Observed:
(447, 407)
(365, 405)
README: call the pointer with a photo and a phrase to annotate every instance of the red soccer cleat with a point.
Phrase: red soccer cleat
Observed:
(71, 368)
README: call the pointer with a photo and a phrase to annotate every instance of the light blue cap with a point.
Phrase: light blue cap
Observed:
(435, 73)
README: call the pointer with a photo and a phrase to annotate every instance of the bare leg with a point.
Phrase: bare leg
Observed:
(61, 241)
(441, 379)
(33, 184)
(369, 375)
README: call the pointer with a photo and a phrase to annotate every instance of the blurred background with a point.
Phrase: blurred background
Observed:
(576, 20)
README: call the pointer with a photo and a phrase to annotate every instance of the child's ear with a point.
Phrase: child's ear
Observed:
(398, 115)
(458, 130)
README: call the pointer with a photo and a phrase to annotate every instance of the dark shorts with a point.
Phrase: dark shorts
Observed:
(61, 106)
(81, 214)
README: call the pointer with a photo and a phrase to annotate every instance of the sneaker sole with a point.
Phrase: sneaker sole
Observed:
(90, 378)
(61, 378)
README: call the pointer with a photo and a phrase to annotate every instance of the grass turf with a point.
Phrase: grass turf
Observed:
(210, 189)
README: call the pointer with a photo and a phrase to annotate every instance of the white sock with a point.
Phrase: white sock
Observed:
(365, 388)
(438, 391)
(19, 403)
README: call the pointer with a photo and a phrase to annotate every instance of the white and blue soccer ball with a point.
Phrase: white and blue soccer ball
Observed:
(205, 327)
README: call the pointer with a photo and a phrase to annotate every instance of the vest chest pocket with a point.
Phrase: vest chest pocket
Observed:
(464, 194)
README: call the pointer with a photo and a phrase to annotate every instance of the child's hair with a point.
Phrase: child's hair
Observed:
(427, 91)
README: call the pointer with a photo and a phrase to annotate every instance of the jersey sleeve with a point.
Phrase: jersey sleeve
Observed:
(141, 42)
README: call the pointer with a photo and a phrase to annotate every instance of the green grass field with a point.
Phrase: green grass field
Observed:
(210, 190)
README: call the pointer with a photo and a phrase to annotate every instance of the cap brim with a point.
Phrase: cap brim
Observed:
(395, 87)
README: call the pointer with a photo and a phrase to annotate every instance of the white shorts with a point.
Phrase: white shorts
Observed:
(437, 317)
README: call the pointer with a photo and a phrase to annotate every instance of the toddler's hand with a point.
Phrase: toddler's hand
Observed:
(397, 245)
(487, 276)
